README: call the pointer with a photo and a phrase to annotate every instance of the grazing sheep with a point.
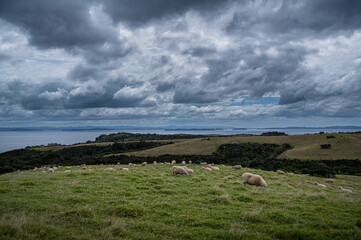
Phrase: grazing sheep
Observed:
(50, 170)
(83, 165)
(118, 163)
(329, 180)
(188, 169)
(43, 171)
(183, 162)
(123, 169)
(237, 167)
(155, 162)
(179, 170)
(84, 168)
(67, 171)
(280, 172)
(109, 169)
(55, 168)
(319, 184)
(174, 162)
(203, 163)
(223, 165)
(206, 169)
(167, 163)
(35, 168)
(253, 179)
(189, 162)
(68, 167)
(289, 173)
(215, 168)
(344, 189)
(144, 163)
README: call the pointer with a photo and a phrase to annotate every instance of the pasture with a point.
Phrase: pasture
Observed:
(150, 203)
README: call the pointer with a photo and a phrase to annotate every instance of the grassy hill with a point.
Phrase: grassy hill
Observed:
(149, 203)
(344, 146)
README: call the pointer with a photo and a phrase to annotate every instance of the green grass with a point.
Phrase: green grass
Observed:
(149, 203)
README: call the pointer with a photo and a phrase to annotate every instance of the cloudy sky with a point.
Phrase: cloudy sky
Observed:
(187, 63)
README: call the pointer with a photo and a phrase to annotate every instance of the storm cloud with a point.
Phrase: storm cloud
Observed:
(176, 60)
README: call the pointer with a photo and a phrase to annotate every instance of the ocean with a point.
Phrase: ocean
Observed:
(10, 140)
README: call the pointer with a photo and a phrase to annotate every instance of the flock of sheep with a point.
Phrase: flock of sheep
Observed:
(248, 178)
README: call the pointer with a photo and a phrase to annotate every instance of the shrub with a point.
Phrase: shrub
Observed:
(325, 146)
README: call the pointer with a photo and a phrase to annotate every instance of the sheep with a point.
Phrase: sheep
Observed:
(206, 169)
(68, 167)
(167, 163)
(203, 163)
(67, 171)
(344, 189)
(329, 181)
(289, 173)
(155, 162)
(215, 168)
(50, 170)
(118, 163)
(35, 168)
(188, 169)
(144, 163)
(55, 168)
(237, 167)
(174, 162)
(183, 162)
(84, 168)
(189, 162)
(280, 172)
(253, 179)
(123, 169)
(83, 165)
(179, 170)
(109, 169)
(319, 184)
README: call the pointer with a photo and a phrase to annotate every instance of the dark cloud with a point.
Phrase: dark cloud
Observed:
(141, 12)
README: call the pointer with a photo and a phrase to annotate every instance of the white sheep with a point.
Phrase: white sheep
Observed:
(67, 171)
(329, 181)
(280, 172)
(215, 168)
(319, 184)
(68, 167)
(237, 167)
(188, 169)
(183, 162)
(50, 170)
(253, 179)
(155, 162)
(174, 162)
(167, 163)
(144, 163)
(189, 162)
(179, 170)
(55, 168)
(206, 169)
(109, 169)
(118, 163)
(344, 189)
(203, 163)
(289, 173)
(123, 169)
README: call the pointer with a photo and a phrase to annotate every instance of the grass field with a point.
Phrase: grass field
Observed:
(344, 146)
(149, 203)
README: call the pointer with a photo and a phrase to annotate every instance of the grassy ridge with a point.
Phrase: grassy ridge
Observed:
(149, 203)
(344, 146)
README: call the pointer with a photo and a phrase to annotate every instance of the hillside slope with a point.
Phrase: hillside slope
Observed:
(149, 203)
(344, 146)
